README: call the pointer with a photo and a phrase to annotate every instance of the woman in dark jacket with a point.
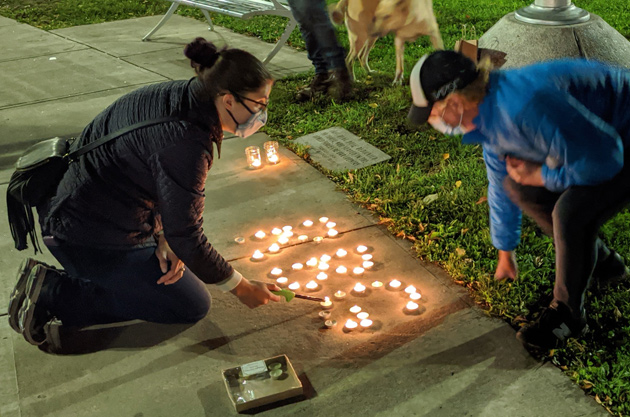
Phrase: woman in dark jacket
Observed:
(126, 221)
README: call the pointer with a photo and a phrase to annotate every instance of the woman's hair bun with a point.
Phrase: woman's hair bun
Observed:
(202, 54)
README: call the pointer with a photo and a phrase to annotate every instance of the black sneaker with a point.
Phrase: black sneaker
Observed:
(319, 85)
(611, 270)
(552, 328)
(33, 317)
(340, 84)
(16, 299)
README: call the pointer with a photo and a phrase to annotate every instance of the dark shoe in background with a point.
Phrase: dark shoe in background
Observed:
(611, 270)
(552, 328)
(319, 85)
(340, 84)
(18, 295)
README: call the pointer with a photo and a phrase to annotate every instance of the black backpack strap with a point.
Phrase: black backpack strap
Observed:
(93, 145)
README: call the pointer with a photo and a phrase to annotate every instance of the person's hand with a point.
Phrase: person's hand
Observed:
(255, 293)
(506, 266)
(524, 172)
(165, 255)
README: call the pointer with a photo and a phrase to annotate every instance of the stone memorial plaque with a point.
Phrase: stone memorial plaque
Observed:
(339, 150)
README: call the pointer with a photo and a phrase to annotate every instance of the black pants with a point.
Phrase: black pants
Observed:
(573, 218)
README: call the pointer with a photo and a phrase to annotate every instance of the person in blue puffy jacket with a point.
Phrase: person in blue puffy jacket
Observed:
(555, 137)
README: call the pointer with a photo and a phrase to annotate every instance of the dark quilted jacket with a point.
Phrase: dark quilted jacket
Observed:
(118, 195)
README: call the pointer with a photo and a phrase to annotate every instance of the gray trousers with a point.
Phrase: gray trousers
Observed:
(573, 218)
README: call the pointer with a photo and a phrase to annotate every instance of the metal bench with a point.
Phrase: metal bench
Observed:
(243, 9)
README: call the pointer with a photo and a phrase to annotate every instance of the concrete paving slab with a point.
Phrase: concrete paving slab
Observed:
(24, 41)
(123, 38)
(9, 395)
(5, 21)
(72, 73)
(268, 198)
(22, 126)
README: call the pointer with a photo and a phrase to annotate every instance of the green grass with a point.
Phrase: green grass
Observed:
(452, 230)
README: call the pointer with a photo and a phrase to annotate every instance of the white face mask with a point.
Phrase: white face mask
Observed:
(441, 126)
(251, 125)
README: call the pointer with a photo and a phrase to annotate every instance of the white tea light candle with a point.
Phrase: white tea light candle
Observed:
(365, 323)
(323, 219)
(415, 296)
(359, 288)
(276, 232)
(377, 284)
(368, 264)
(351, 324)
(361, 248)
(287, 228)
(339, 295)
(355, 309)
(326, 303)
(411, 306)
(272, 151)
(332, 233)
(341, 253)
(276, 271)
(322, 276)
(274, 248)
(294, 286)
(325, 258)
(358, 271)
(302, 238)
(307, 223)
(297, 266)
(410, 289)
(282, 281)
(366, 256)
(323, 266)
(341, 269)
(283, 240)
(252, 154)
(260, 234)
(258, 255)
(312, 285)
(395, 283)
(330, 225)
(363, 315)
(311, 262)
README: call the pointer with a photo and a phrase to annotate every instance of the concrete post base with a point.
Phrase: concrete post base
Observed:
(511, 43)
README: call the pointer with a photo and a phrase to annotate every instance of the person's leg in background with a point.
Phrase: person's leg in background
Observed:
(107, 286)
(323, 49)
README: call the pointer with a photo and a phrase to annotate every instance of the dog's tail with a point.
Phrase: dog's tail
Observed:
(338, 11)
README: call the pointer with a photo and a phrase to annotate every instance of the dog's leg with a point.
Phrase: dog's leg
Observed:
(356, 44)
(365, 53)
(400, 60)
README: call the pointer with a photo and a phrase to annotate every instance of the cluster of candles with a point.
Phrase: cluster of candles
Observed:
(254, 158)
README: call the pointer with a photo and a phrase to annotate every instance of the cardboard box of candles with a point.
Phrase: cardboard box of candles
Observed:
(262, 382)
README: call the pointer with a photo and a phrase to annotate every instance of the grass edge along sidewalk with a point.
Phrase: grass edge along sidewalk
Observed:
(432, 191)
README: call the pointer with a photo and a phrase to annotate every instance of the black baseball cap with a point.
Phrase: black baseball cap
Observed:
(434, 77)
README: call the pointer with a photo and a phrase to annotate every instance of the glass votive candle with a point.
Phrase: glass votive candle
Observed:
(276, 231)
(341, 253)
(377, 284)
(294, 286)
(282, 281)
(359, 288)
(351, 324)
(312, 285)
(395, 284)
(339, 295)
(332, 233)
(410, 289)
(276, 271)
(368, 264)
(272, 151)
(260, 234)
(252, 153)
(274, 248)
(322, 276)
(258, 255)
(341, 269)
(307, 223)
(311, 262)
(297, 266)
(415, 296)
(363, 315)
(331, 225)
(325, 258)
(366, 256)
(361, 248)
(355, 309)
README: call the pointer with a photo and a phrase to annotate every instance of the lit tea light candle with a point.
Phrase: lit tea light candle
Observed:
(271, 151)
(332, 233)
(283, 240)
(323, 219)
(351, 324)
(355, 309)
(275, 231)
(323, 266)
(395, 283)
(410, 289)
(368, 264)
(359, 288)
(330, 225)
(260, 234)
(361, 248)
(282, 281)
(341, 253)
(312, 285)
(307, 223)
(365, 323)
(325, 314)
(273, 159)
(377, 284)
(256, 163)
(366, 257)
(276, 271)
(252, 154)
(339, 295)
(258, 255)
(322, 276)
(363, 315)
(297, 266)
(318, 239)
(415, 296)
(341, 269)
(274, 248)
(287, 228)
(326, 303)
(302, 238)
(411, 306)
(311, 262)
(358, 271)
(325, 258)
(294, 286)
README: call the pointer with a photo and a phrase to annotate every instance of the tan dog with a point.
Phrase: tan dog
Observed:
(368, 20)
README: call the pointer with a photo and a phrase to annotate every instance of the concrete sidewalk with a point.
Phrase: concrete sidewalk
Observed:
(450, 359)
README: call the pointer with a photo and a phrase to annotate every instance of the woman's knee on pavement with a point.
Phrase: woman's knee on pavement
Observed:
(195, 309)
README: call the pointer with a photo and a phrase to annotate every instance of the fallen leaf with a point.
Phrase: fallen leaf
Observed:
(463, 231)
(446, 156)
(587, 384)
(370, 119)
(350, 177)
(430, 198)
(460, 252)
(373, 105)
(482, 200)
(458, 184)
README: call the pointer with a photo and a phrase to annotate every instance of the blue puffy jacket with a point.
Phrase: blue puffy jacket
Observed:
(572, 116)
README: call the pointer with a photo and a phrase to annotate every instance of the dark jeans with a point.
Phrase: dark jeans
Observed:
(573, 218)
(318, 34)
(108, 286)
